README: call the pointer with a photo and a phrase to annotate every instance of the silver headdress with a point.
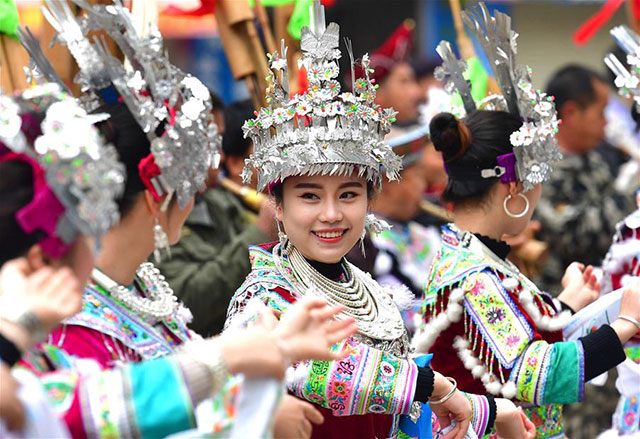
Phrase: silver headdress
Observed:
(627, 81)
(321, 131)
(534, 145)
(161, 97)
(83, 176)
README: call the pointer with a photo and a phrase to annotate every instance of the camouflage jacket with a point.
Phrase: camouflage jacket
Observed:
(579, 210)
(212, 258)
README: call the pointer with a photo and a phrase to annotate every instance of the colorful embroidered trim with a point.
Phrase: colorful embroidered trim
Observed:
(104, 314)
(530, 373)
(548, 421)
(502, 325)
(480, 413)
(367, 381)
(626, 419)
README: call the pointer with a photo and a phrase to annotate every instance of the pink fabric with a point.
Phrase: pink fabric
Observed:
(84, 342)
(43, 212)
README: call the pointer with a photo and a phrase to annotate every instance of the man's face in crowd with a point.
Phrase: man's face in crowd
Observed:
(583, 127)
(400, 90)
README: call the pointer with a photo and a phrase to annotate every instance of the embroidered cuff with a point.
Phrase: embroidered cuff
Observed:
(602, 351)
(481, 416)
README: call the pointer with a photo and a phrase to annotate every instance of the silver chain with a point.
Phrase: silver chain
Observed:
(161, 303)
(364, 299)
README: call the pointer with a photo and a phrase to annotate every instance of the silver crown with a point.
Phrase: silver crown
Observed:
(157, 93)
(534, 145)
(83, 173)
(627, 81)
(321, 131)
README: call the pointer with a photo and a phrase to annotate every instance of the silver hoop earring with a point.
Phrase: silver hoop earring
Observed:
(160, 241)
(283, 239)
(518, 215)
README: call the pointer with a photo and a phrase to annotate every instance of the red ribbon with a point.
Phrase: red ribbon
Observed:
(206, 7)
(585, 32)
(147, 169)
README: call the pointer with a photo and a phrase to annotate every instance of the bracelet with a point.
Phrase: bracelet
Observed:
(448, 396)
(630, 319)
(208, 354)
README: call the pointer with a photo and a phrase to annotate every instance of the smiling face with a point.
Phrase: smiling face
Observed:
(323, 216)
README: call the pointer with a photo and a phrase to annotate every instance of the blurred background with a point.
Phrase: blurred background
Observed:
(546, 31)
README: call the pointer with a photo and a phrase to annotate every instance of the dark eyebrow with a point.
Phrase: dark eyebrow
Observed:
(351, 184)
(307, 186)
(317, 186)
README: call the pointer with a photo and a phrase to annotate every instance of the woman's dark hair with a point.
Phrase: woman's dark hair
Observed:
(123, 132)
(470, 145)
(276, 192)
(16, 191)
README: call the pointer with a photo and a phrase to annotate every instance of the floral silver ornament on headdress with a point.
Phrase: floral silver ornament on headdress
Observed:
(322, 131)
(627, 81)
(534, 145)
(160, 96)
(83, 173)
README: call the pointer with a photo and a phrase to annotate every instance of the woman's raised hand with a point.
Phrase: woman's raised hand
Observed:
(581, 286)
(51, 294)
(308, 331)
(267, 347)
(630, 308)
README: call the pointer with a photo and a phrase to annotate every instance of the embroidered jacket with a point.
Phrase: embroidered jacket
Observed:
(372, 382)
(368, 381)
(494, 331)
(127, 336)
(89, 370)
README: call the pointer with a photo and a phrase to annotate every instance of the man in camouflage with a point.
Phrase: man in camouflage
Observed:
(579, 209)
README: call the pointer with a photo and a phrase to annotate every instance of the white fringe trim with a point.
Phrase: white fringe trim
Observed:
(426, 336)
(479, 371)
(546, 323)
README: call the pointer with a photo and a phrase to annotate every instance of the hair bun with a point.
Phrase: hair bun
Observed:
(449, 135)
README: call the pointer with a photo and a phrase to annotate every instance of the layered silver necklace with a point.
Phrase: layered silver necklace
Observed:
(160, 305)
(376, 314)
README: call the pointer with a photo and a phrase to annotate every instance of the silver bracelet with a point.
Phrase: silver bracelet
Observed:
(630, 319)
(448, 396)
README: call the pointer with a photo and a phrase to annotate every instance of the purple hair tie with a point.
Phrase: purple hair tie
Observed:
(508, 162)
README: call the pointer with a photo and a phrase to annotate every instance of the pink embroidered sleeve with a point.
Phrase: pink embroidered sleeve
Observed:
(366, 381)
